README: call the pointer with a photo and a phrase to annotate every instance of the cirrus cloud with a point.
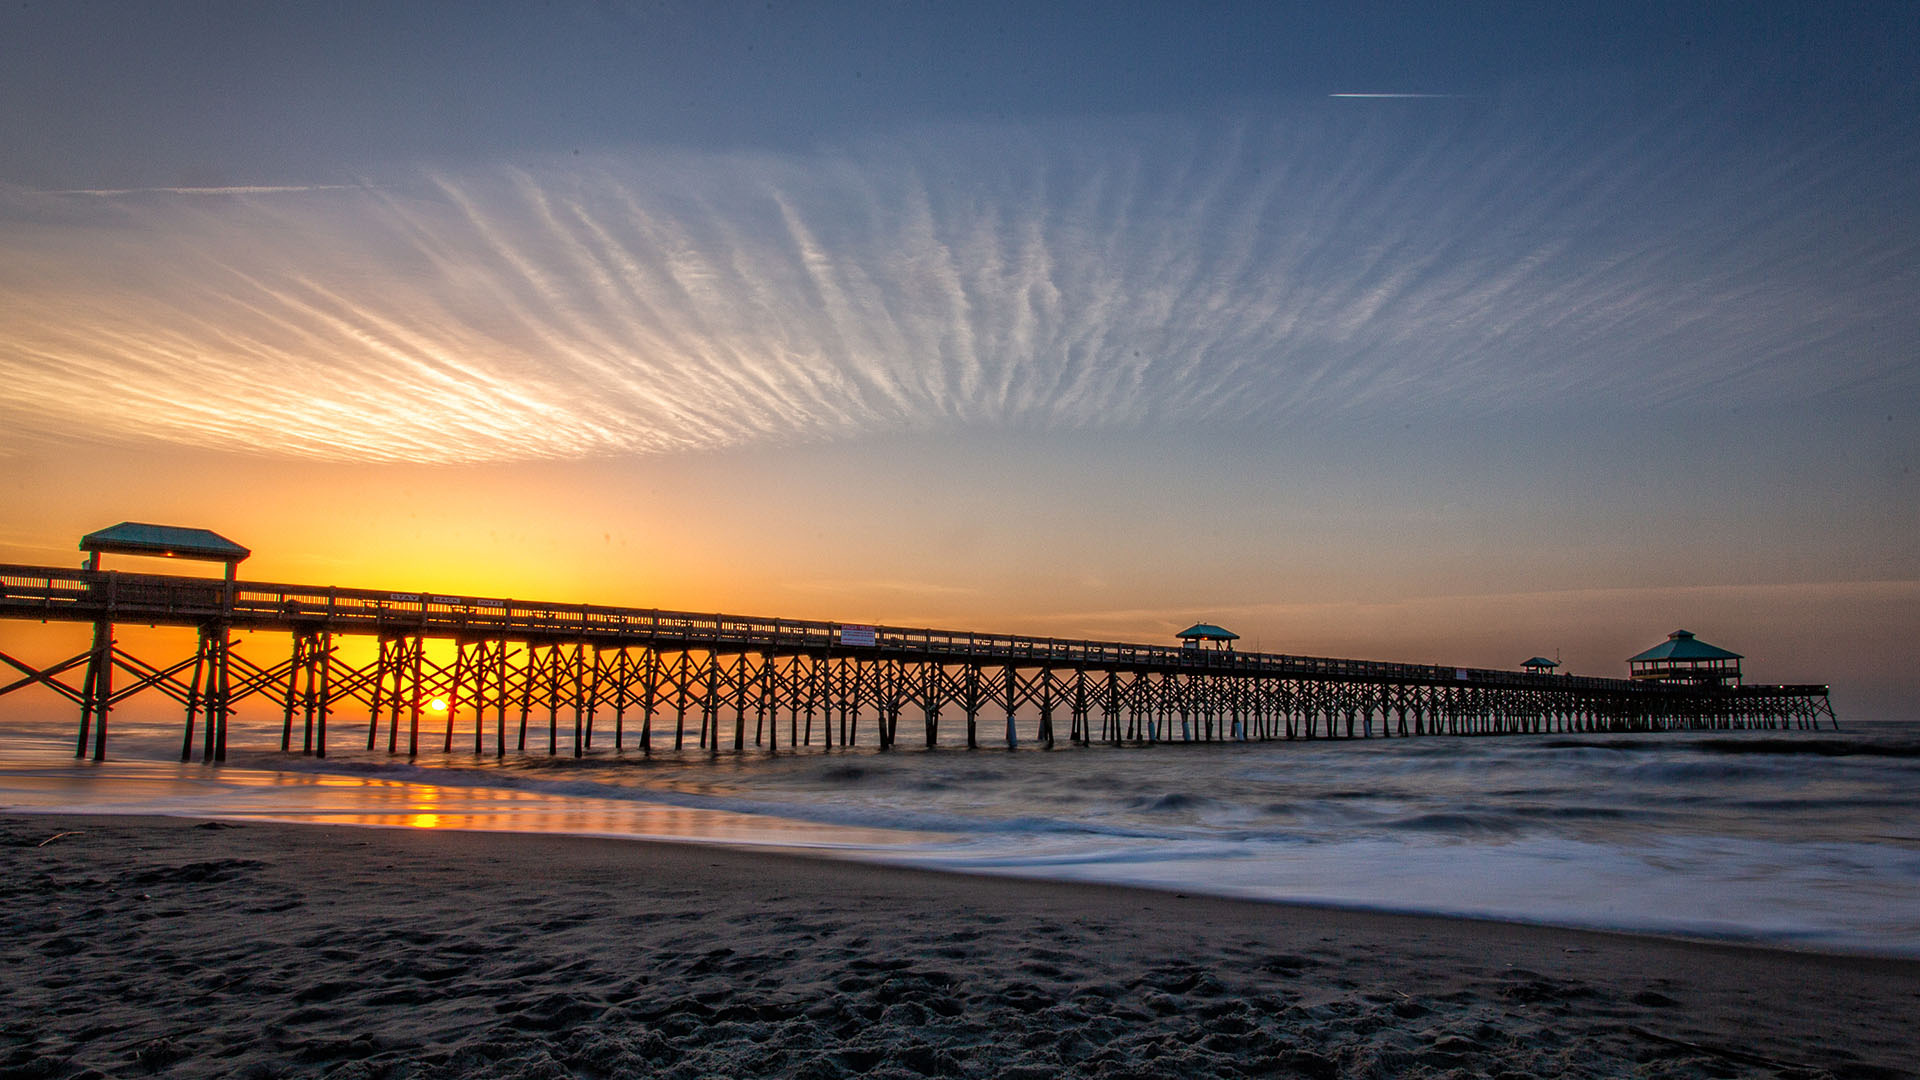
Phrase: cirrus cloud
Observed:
(1132, 274)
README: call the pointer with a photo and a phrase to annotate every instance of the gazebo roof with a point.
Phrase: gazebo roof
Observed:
(1203, 631)
(1541, 661)
(1682, 645)
(165, 541)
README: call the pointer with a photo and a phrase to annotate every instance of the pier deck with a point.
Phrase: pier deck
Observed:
(515, 660)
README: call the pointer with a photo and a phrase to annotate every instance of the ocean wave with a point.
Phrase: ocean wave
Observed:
(1176, 801)
(1671, 834)
(1867, 747)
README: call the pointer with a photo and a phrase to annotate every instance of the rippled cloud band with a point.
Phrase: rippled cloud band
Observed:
(1463, 256)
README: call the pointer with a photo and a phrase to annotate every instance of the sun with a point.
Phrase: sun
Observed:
(438, 704)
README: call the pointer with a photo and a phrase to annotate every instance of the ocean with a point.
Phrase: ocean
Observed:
(1792, 838)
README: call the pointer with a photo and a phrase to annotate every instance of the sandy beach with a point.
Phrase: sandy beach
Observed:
(152, 946)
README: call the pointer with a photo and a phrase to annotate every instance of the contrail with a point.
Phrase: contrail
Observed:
(1388, 94)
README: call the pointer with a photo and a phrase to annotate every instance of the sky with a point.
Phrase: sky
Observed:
(1452, 333)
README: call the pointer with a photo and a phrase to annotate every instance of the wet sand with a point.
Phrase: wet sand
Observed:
(153, 946)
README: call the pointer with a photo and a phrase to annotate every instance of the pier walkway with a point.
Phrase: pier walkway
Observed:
(651, 679)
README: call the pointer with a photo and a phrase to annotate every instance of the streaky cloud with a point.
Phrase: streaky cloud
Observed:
(1134, 275)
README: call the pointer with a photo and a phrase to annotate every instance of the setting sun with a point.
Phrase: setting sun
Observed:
(438, 704)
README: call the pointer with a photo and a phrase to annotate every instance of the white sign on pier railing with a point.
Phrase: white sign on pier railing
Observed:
(857, 635)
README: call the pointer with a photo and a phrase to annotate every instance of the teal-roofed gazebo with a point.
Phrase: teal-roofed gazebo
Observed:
(164, 542)
(1207, 636)
(1685, 658)
(1539, 665)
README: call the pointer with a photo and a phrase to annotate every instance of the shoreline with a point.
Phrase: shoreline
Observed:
(475, 953)
(871, 858)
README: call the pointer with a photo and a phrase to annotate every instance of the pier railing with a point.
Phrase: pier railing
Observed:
(159, 599)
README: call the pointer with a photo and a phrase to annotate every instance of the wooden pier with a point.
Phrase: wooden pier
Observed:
(651, 680)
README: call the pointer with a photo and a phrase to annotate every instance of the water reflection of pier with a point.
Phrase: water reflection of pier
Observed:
(480, 674)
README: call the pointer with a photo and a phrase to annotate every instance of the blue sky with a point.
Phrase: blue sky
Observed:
(1090, 320)
(139, 94)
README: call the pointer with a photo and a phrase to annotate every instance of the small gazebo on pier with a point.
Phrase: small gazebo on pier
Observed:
(1207, 636)
(1684, 658)
(162, 542)
(1539, 665)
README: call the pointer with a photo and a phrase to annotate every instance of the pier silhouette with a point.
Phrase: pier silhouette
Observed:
(650, 680)
(524, 661)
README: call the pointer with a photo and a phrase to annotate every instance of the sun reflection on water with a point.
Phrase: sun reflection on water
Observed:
(136, 786)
